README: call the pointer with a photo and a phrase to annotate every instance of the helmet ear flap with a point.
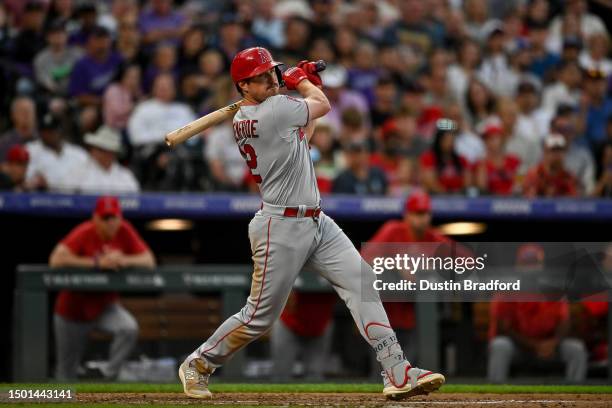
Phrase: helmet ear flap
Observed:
(280, 69)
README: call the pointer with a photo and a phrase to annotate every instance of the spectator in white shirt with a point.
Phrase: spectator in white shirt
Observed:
(227, 167)
(527, 150)
(495, 69)
(101, 173)
(156, 167)
(52, 159)
(575, 13)
(533, 121)
(578, 159)
(595, 57)
(155, 117)
(566, 91)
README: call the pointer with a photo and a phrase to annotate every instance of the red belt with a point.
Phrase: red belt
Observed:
(294, 211)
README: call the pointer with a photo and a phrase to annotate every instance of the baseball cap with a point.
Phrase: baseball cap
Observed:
(419, 201)
(492, 129)
(50, 122)
(17, 154)
(554, 141)
(105, 138)
(444, 124)
(389, 128)
(107, 205)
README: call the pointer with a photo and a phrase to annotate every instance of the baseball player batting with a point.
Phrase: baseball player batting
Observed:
(290, 231)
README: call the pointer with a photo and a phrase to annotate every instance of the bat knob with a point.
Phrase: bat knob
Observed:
(320, 65)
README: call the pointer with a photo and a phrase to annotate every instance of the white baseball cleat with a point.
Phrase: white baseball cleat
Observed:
(404, 381)
(194, 375)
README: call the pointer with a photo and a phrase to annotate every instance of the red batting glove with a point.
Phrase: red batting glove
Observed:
(293, 76)
(311, 72)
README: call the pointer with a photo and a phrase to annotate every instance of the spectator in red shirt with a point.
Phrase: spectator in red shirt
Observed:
(496, 173)
(533, 329)
(442, 170)
(303, 331)
(414, 227)
(106, 242)
(550, 178)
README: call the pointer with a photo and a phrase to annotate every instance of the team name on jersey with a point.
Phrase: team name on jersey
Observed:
(245, 129)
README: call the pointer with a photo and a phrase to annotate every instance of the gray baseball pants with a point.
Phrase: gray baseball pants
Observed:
(502, 351)
(71, 340)
(281, 247)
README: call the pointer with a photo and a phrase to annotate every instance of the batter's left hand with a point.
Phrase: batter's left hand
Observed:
(293, 76)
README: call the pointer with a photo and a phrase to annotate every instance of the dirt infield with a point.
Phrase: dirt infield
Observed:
(355, 400)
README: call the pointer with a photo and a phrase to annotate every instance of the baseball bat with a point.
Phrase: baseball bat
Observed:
(191, 129)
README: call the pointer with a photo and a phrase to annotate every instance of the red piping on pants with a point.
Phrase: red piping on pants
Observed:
(263, 280)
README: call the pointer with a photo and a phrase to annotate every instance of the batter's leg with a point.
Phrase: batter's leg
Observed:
(280, 247)
(337, 259)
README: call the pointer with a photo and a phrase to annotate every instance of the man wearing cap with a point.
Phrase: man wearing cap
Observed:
(496, 174)
(108, 243)
(93, 72)
(52, 159)
(13, 169)
(550, 178)
(53, 64)
(101, 173)
(414, 227)
(534, 329)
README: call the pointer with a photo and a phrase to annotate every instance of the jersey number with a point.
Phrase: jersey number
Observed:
(248, 152)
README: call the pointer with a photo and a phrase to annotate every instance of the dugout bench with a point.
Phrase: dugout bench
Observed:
(31, 329)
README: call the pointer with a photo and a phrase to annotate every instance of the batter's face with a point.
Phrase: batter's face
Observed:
(261, 87)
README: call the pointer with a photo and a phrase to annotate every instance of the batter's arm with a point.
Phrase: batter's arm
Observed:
(318, 104)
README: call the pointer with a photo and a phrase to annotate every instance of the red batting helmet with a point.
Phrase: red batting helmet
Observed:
(251, 62)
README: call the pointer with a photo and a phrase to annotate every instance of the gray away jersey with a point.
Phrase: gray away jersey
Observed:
(271, 140)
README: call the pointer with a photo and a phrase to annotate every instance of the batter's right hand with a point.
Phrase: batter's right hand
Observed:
(311, 72)
(293, 76)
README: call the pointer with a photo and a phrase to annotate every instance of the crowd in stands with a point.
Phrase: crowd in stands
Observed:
(474, 97)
